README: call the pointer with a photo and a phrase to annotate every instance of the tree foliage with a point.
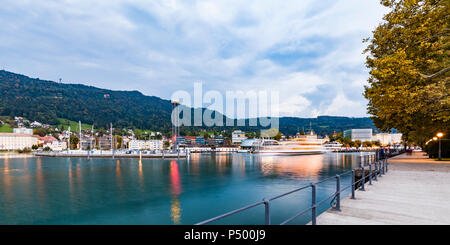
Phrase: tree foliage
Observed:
(409, 67)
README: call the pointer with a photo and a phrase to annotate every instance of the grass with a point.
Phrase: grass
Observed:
(73, 125)
(141, 131)
(442, 159)
(5, 128)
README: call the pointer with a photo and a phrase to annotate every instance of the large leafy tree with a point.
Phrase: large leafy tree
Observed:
(409, 69)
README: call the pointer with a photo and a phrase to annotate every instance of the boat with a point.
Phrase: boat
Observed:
(333, 146)
(296, 146)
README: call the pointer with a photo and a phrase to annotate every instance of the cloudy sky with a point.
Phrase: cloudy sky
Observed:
(308, 51)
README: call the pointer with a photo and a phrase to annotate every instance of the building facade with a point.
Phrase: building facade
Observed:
(145, 145)
(237, 137)
(388, 139)
(14, 141)
(359, 134)
(23, 131)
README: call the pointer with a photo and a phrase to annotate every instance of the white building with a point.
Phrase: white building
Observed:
(388, 139)
(23, 131)
(359, 134)
(237, 137)
(14, 141)
(145, 145)
(36, 124)
(56, 145)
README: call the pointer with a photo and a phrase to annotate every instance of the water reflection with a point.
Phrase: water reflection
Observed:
(105, 191)
(289, 166)
(175, 185)
(141, 176)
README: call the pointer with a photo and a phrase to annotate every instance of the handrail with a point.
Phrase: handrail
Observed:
(381, 168)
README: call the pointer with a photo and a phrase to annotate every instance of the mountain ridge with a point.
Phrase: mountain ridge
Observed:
(46, 101)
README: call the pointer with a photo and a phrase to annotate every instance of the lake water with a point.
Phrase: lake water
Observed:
(153, 191)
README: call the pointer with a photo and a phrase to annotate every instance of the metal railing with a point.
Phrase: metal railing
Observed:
(377, 167)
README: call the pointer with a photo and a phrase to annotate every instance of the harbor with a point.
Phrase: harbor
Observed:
(74, 190)
(118, 154)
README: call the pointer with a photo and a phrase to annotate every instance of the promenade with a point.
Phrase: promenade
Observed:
(415, 191)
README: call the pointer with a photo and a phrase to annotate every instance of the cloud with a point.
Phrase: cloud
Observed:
(309, 51)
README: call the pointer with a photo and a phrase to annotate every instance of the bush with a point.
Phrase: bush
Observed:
(432, 148)
(47, 149)
(25, 150)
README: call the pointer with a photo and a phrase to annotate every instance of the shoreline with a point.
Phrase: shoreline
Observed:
(16, 155)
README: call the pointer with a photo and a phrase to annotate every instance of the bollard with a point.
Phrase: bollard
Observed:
(382, 167)
(353, 184)
(267, 211)
(313, 204)
(363, 179)
(370, 174)
(338, 193)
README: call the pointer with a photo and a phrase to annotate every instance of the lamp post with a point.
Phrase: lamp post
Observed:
(440, 136)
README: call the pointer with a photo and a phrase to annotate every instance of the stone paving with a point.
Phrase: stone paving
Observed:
(415, 191)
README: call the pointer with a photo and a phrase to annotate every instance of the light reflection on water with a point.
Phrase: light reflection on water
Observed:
(156, 191)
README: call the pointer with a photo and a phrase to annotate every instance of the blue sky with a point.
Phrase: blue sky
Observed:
(309, 51)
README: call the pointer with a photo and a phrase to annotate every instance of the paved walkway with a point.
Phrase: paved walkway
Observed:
(416, 190)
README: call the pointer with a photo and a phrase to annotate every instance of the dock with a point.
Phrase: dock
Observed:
(84, 154)
(416, 191)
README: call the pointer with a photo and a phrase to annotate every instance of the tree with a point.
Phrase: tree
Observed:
(166, 145)
(409, 85)
(278, 136)
(74, 141)
(119, 141)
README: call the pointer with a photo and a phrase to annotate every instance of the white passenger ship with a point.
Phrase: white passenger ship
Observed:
(301, 144)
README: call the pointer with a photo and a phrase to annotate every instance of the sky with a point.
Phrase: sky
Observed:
(310, 52)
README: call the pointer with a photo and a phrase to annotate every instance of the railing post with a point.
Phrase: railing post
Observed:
(313, 204)
(376, 170)
(386, 165)
(370, 174)
(338, 193)
(379, 167)
(382, 163)
(353, 184)
(363, 178)
(267, 211)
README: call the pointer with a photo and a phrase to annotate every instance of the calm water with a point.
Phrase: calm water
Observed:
(152, 191)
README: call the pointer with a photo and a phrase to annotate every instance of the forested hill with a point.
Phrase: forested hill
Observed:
(46, 101)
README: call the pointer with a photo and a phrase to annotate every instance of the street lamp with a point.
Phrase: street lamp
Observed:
(440, 136)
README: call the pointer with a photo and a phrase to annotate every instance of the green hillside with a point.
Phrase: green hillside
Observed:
(5, 128)
(74, 126)
(65, 104)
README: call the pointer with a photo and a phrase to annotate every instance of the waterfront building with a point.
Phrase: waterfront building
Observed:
(145, 145)
(237, 137)
(23, 131)
(359, 134)
(388, 139)
(15, 141)
(56, 145)
(219, 140)
(86, 142)
(104, 142)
